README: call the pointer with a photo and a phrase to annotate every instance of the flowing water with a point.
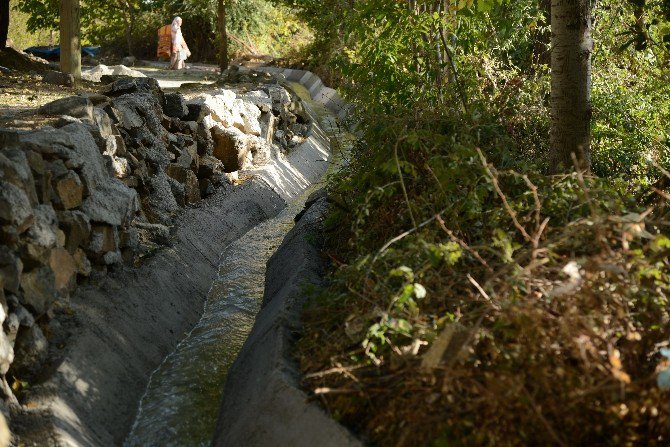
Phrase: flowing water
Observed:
(181, 403)
(182, 400)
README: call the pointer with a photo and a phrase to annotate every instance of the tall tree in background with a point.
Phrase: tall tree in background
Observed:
(570, 84)
(4, 22)
(70, 42)
(223, 35)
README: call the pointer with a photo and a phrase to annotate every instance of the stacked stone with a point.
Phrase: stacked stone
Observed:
(247, 129)
(98, 184)
(60, 211)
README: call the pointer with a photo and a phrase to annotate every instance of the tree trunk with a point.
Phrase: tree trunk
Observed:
(223, 36)
(570, 84)
(70, 44)
(128, 22)
(4, 22)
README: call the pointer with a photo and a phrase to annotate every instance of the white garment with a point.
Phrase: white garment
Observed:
(177, 38)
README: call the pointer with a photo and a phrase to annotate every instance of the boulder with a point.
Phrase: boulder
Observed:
(96, 98)
(204, 140)
(174, 105)
(260, 150)
(43, 232)
(196, 112)
(208, 166)
(104, 123)
(118, 166)
(58, 78)
(69, 190)
(206, 187)
(64, 267)
(129, 61)
(260, 99)
(102, 73)
(178, 191)
(160, 204)
(77, 228)
(112, 203)
(155, 233)
(39, 290)
(30, 351)
(16, 214)
(224, 109)
(186, 177)
(279, 97)
(11, 268)
(231, 146)
(82, 262)
(15, 169)
(104, 238)
(268, 124)
(130, 239)
(126, 114)
(112, 258)
(122, 86)
(41, 175)
(250, 115)
(74, 106)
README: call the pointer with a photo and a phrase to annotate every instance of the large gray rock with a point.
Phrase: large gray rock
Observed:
(104, 239)
(204, 140)
(174, 105)
(250, 115)
(64, 267)
(15, 211)
(69, 191)
(268, 123)
(39, 289)
(208, 166)
(30, 351)
(260, 99)
(196, 112)
(76, 148)
(77, 228)
(100, 71)
(126, 113)
(160, 204)
(104, 123)
(15, 169)
(75, 106)
(43, 231)
(58, 78)
(187, 178)
(11, 268)
(112, 203)
(127, 85)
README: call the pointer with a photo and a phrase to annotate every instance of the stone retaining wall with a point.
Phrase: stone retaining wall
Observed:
(94, 185)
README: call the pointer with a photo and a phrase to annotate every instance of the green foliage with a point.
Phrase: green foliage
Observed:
(559, 283)
(257, 25)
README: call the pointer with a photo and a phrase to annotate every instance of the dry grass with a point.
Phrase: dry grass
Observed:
(545, 331)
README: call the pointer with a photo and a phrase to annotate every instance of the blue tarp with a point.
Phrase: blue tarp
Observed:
(54, 53)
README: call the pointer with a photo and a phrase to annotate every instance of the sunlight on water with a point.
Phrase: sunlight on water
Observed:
(181, 403)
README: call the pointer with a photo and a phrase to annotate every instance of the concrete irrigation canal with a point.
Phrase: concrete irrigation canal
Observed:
(170, 206)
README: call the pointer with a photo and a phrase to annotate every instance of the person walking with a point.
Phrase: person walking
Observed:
(180, 51)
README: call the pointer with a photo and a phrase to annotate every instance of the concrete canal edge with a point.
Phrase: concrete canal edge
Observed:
(263, 403)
